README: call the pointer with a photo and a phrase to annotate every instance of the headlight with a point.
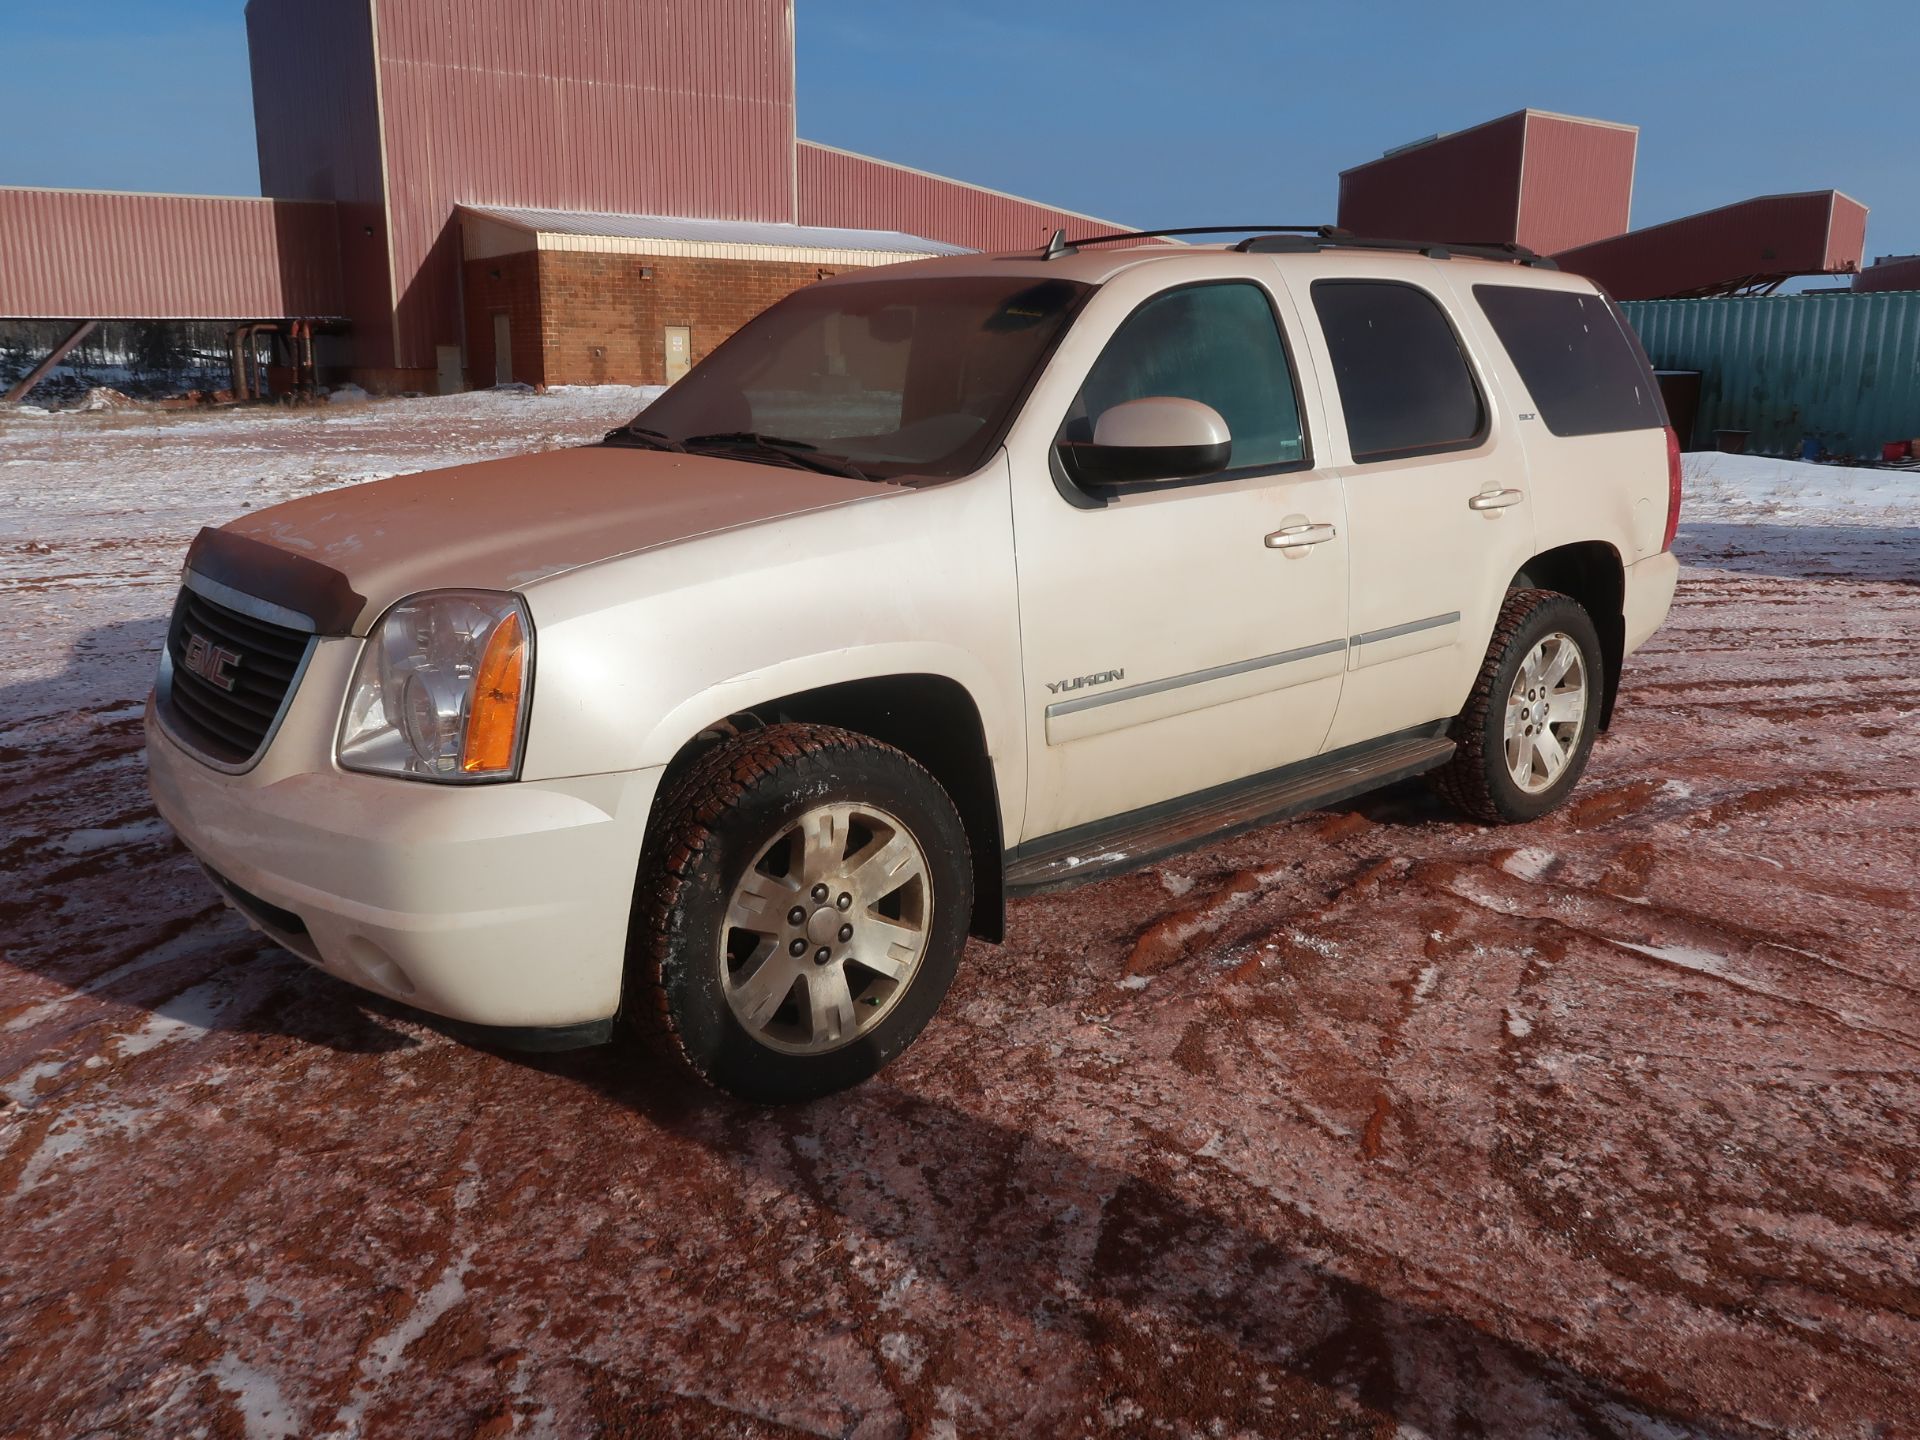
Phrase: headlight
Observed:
(441, 690)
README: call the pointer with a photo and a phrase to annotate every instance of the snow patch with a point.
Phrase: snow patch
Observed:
(186, 1016)
(1748, 489)
(89, 842)
(1518, 1025)
(1530, 863)
(158, 957)
(1319, 944)
(1686, 957)
(73, 1134)
(447, 1291)
(20, 1089)
(903, 1352)
(263, 1409)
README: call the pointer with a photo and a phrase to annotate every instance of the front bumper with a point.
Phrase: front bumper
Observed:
(498, 905)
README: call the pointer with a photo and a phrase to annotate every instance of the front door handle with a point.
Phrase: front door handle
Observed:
(1496, 499)
(1288, 536)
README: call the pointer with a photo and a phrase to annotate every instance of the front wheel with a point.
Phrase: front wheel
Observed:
(807, 904)
(1529, 725)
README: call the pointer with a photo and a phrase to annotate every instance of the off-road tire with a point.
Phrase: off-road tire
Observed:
(717, 816)
(1476, 780)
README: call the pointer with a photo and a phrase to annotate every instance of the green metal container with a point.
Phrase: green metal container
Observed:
(1839, 366)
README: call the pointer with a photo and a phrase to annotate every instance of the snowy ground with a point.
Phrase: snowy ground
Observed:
(1374, 1123)
(97, 510)
(1755, 488)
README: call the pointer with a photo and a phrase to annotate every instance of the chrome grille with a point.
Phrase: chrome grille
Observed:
(228, 678)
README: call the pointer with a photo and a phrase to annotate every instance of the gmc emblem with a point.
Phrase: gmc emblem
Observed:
(213, 663)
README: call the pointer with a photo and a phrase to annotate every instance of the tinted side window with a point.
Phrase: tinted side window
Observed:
(1578, 364)
(1403, 381)
(1219, 344)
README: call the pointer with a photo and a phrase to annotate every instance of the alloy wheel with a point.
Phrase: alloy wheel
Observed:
(826, 929)
(1546, 711)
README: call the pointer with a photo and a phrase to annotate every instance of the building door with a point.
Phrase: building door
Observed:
(502, 348)
(449, 379)
(679, 351)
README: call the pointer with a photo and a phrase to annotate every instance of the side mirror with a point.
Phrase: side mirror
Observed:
(1157, 437)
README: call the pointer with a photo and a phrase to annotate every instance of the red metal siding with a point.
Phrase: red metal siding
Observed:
(1462, 187)
(1576, 182)
(1846, 235)
(680, 107)
(1821, 230)
(79, 254)
(1895, 273)
(838, 188)
(316, 122)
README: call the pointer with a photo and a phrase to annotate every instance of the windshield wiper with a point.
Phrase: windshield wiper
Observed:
(794, 452)
(643, 437)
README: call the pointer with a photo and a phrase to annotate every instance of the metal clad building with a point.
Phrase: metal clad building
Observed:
(1890, 272)
(1532, 178)
(1753, 242)
(1577, 184)
(79, 253)
(1840, 367)
(838, 187)
(316, 125)
(677, 107)
(401, 116)
(398, 113)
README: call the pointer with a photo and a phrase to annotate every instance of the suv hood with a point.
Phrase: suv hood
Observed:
(343, 556)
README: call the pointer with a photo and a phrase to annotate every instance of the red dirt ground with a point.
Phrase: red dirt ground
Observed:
(1374, 1123)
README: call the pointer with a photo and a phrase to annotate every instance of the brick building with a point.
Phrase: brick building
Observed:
(571, 299)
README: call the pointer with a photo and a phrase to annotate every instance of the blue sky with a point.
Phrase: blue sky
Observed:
(1220, 110)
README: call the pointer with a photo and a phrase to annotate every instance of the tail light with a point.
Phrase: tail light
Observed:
(1673, 488)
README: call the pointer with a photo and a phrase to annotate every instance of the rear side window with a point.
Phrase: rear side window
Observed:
(1217, 343)
(1404, 382)
(1578, 364)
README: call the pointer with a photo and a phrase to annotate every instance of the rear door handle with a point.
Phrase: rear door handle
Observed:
(1496, 499)
(1288, 536)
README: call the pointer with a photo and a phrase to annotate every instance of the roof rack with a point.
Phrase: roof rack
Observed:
(1303, 239)
(1432, 249)
(1059, 245)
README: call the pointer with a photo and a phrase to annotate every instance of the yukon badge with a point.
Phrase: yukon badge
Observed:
(1079, 682)
(212, 663)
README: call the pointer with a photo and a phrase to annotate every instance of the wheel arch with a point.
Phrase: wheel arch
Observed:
(932, 718)
(1592, 573)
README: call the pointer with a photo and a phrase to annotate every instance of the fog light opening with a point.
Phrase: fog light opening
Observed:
(378, 968)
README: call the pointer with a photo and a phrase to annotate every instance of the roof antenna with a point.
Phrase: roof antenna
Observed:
(1058, 246)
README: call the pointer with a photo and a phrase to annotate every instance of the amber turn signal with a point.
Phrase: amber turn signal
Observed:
(493, 727)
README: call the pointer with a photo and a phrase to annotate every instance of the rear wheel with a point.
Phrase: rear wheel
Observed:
(1529, 725)
(805, 908)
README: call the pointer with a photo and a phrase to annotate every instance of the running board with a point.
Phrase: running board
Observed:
(1108, 847)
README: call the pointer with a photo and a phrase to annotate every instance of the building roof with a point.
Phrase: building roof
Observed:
(676, 231)
(1529, 112)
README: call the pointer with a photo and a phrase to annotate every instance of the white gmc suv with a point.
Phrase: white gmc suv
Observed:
(936, 583)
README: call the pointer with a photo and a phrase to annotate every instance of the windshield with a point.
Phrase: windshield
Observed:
(917, 375)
